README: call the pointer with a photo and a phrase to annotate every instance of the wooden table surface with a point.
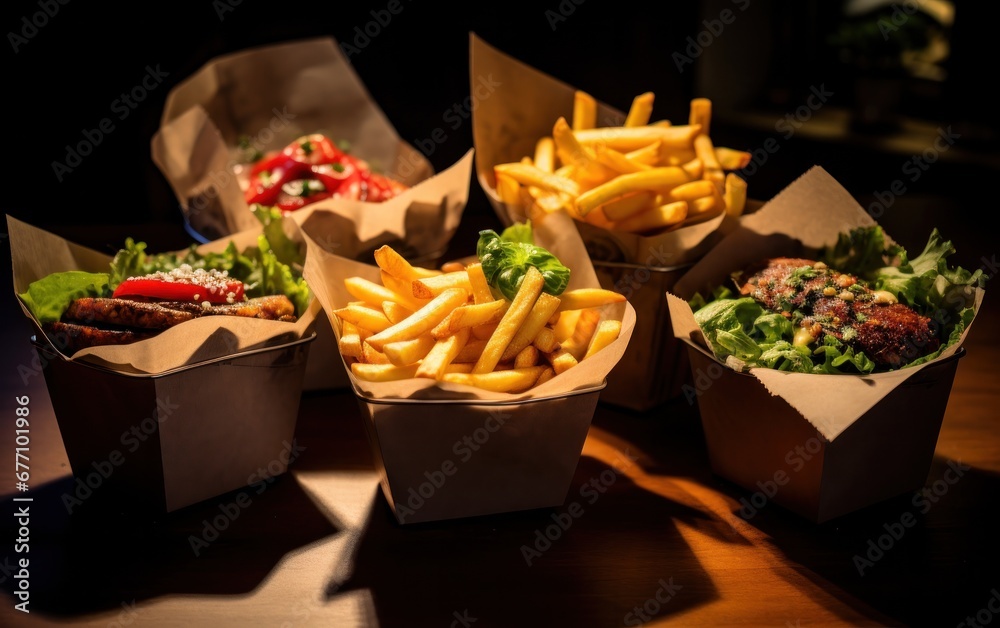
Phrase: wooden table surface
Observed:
(664, 545)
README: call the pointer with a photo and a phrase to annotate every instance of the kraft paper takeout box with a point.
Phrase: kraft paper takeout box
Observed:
(507, 123)
(186, 415)
(820, 445)
(525, 446)
(275, 94)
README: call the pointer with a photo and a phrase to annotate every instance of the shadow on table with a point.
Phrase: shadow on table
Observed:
(100, 558)
(926, 558)
(620, 560)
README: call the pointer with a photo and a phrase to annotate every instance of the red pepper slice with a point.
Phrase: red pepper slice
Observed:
(313, 149)
(156, 288)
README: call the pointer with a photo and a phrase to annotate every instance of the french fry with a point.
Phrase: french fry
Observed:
(452, 267)
(641, 110)
(527, 357)
(483, 332)
(700, 113)
(471, 351)
(584, 111)
(631, 138)
(586, 326)
(587, 171)
(735, 194)
(375, 294)
(468, 316)
(545, 340)
(369, 355)
(731, 159)
(406, 352)
(389, 260)
(383, 372)
(619, 162)
(547, 374)
(545, 306)
(649, 155)
(607, 332)
(662, 216)
(403, 289)
(365, 317)
(508, 189)
(587, 298)
(507, 380)
(422, 320)
(481, 292)
(658, 179)
(564, 327)
(350, 340)
(545, 154)
(628, 205)
(561, 360)
(395, 312)
(532, 175)
(441, 355)
(691, 191)
(531, 286)
(430, 287)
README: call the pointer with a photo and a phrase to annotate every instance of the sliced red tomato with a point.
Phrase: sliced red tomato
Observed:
(313, 149)
(211, 287)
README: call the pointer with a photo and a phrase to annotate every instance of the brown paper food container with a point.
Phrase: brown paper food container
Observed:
(524, 447)
(820, 445)
(183, 416)
(274, 94)
(506, 124)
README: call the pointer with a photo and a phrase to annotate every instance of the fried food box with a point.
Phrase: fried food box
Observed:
(821, 444)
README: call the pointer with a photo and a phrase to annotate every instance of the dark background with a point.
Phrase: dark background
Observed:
(758, 70)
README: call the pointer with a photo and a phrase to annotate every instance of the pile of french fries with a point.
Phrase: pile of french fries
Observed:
(446, 325)
(643, 177)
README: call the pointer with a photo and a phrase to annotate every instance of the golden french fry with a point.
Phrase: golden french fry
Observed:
(383, 372)
(628, 205)
(712, 204)
(631, 138)
(527, 357)
(587, 171)
(471, 351)
(666, 215)
(483, 332)
(374, 294)
(607, 332)
(452, 267)
(649, 155)
(585, 327)
(561, 360)
(545, 154)
(406, 352)
(545, 306)
(362, 316)
(731, 159)
(617, 161)
(507, 380)
(547, 374)
(531, 286)
(422, 320)
(677, 157)
(430, 287)
(389, 260)
(455, 367)
(564, 327)
(533, 175)
(441, 355)
(658, 179)
(545, 340)
(735, 194)
(403, 289)
(468, 316)
(692, 191)
(350, 345)
(395, 312)
(694, 168)
(584, 111)
(508, 189)
(701, 113)
(640, 111)
(369, 355)
(481, 292)
(587, 298)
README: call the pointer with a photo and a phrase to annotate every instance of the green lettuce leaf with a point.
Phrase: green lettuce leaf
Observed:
(506, 261)
(48, 297)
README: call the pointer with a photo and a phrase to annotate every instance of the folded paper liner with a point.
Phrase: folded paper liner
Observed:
(806, 216)
(524, 106)
(326, 272)
(36, 253)
(273, 95)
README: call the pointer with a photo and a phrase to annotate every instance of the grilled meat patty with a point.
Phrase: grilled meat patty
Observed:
(891, 334)
(90, 321)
